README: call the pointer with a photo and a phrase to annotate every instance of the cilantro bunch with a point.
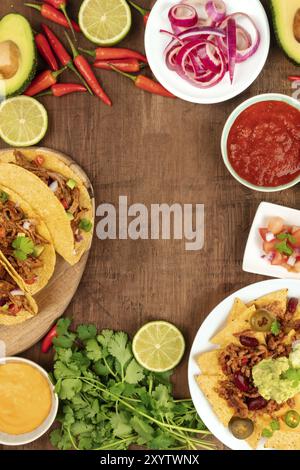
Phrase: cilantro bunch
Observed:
(109, 402)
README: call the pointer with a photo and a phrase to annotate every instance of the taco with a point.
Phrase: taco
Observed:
(56, 192)
(25, 243)
(16, 306)
(252, 380)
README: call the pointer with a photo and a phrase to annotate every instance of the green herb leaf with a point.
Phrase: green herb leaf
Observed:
(275, 328)
(286, 236)
(86, 332)
(283, 248)
(93, 350)
(23, 247)
(134, 372)
(118, 347)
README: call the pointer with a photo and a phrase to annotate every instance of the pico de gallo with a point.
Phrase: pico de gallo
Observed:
(281, 244)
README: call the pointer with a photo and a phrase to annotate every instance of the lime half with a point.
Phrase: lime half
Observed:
(158, 346)
(23, 121)
(105, 22)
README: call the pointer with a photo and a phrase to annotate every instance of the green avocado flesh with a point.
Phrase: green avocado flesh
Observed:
(284, 14)
(16, 28)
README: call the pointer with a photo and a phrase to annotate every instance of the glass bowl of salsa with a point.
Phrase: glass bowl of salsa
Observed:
(260, 143)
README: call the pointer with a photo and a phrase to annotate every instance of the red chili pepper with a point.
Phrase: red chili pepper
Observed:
(62, 89)
(114, 53)
(141, 10)
(45, 50)
(125, 65)
(86, 71)
(146, 84)
(65, 204)
(31, 281)
(294, 78)
(52, 14)
(48, 340)
(43, 81)
(62, 5)
(62, 54)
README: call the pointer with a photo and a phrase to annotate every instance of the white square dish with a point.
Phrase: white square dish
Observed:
(253, 261)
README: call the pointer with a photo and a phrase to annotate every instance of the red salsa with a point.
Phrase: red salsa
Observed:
(264, 144)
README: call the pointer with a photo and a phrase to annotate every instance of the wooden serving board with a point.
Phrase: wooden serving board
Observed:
(56, 296)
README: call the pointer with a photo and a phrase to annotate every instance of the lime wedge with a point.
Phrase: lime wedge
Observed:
(158, 346)
(105, 22)
(23, 121)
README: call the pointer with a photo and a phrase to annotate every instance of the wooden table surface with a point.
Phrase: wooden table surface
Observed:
(156, 150)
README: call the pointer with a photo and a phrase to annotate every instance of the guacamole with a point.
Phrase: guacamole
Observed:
(274, 378)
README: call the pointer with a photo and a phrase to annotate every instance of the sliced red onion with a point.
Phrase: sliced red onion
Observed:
(231, 47)
(16, 292)
(216, 10)
(54, 186)
(184, 16)
(243, 39)
(244, 54)
(270, 256)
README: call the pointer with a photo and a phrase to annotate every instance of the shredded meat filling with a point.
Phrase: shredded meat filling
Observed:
(14, 303)
(70, 198)
(13, 222)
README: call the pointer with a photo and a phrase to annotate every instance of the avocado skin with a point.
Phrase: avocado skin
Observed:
(32, 72)
(278, 39)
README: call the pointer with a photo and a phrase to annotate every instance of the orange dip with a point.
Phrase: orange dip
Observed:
(25, 398)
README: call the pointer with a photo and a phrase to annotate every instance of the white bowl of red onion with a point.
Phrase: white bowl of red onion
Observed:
(207, 51)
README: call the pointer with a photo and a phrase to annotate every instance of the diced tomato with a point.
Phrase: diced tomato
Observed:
(295, 228)
(268, 247)
(13, 309)
(39, 160)
(296, 235)
(245, 361)
(286, 229)
(279, 259)
(31, 281)
(263, 232)
(65, 204)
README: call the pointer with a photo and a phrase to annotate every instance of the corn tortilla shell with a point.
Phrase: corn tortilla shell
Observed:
(48, 256)
(208, 362)
(237, 308)
(208, 384)
(275, 303)
(45, 203)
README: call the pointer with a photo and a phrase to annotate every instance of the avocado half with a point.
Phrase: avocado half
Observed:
(16, 28)
(284, 13)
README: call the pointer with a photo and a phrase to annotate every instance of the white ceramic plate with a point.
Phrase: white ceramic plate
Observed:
(213, 323)
(245, 73)
(253, 262)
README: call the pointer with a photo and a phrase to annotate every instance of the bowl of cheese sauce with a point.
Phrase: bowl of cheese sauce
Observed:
(28, 403)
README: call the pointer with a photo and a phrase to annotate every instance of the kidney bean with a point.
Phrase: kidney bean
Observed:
(256, 403)
(292, 305)
(241, 382)
(249, 341)
(3, 301)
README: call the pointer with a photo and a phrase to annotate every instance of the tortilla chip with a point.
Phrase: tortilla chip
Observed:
(237, 308)
(226, 336)
(44, 202)
(208, 362)
(260, 423)
(275, 303)
(208, 384)
(284, 440)
(48, 256)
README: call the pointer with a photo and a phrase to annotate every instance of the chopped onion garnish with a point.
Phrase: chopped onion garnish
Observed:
(270, 237)
(291, 261)
(54, 186)
(213, 43)
(16, 292)
(26, 225)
